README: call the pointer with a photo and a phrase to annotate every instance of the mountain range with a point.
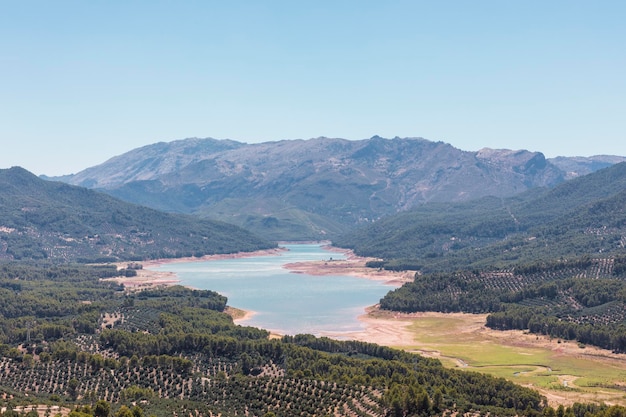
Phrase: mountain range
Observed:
(319, 188)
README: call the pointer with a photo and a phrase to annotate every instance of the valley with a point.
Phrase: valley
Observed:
(499, 304)
(312, 209)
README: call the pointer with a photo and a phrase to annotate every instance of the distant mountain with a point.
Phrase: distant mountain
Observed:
(42, 219)
(317, 188)
(584, 216)
(577, 166)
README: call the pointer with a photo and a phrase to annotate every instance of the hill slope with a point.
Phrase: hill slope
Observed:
(312, 189)
(42, 219)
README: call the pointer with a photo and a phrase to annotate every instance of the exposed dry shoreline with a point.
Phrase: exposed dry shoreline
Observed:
(352, 266)
(238, 314)
(391, 328)
(149, 278)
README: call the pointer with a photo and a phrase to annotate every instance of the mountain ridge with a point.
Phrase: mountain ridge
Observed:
(281, 189)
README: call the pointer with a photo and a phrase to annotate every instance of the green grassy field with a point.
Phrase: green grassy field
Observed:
(563, 371)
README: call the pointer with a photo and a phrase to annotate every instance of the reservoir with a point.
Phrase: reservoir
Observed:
(286, 302)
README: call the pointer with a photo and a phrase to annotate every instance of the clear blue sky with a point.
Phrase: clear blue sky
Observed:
(85, 80)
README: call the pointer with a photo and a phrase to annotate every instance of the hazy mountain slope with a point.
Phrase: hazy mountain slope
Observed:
(42, 219)
(576, 166)
(574, 193)
(285, 183)
(581, 216)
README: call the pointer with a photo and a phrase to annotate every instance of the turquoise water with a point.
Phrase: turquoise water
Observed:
(286, 302)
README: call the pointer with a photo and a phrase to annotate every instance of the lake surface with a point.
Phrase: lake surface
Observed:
(286, 302)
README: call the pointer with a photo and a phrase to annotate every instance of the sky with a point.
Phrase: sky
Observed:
(82, 81)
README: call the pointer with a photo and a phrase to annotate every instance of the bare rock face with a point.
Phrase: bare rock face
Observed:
(314, 187)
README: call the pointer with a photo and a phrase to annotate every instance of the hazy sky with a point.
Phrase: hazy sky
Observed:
(82, 81)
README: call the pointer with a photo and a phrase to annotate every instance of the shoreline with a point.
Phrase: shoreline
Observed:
(152, 263)
(353, 266)
(380, 327)
(395, 324)
(149, 278)
(238, 314)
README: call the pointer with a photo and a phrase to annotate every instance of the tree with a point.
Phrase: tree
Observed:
(438, 400)
(78, 413)
(137, 411)
(102, 409)
(72, 387)
(28, 360)
(124, 411)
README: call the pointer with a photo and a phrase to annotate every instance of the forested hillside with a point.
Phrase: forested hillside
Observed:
(581, 299)
(586, 215)
(70, 339)
(550, 262)
(52, 220)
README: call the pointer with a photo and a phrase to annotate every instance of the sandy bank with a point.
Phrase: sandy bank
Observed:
(351, 266)
(383, 328)
(239, 315)
(146, 279)
(265, 252)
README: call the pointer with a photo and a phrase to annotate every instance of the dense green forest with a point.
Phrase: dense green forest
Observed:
(55, 221)
(70, 338)
(584, 216)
